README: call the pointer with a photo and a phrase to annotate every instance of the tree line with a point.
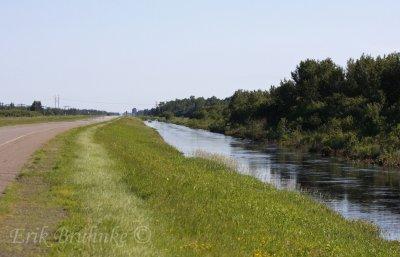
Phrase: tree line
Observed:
(352, 110)
(37, 109)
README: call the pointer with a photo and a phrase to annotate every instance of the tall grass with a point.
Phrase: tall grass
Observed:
(230, 163)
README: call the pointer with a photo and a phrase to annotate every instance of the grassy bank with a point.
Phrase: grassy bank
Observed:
(122, 179)
(199, 207)
(7, 121)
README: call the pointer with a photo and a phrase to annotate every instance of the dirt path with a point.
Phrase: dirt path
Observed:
(18, 143)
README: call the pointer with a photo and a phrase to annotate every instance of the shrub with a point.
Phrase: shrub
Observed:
(367, 149)
(340, 141)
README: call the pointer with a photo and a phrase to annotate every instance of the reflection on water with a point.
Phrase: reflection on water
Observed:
(369, 193)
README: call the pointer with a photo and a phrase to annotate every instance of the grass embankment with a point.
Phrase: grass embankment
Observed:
(122, 178)
(199, 207)
(7, 121)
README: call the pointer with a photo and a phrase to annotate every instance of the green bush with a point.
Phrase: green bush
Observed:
(340, 141)
(366, 150)
(168, 115)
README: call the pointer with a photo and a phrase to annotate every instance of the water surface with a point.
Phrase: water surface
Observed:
(370, 193)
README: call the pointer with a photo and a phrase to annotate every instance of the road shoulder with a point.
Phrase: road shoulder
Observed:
(27, 208)
(71, 201)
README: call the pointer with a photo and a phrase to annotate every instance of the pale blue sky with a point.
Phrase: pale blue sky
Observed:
(139, 52)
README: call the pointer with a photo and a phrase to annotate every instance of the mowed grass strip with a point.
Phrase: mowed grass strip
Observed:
(104, 217)
(201, 208)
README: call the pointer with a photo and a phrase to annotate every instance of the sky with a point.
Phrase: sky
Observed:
(116, 55)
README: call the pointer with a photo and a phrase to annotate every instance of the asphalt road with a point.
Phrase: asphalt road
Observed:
(18, 143)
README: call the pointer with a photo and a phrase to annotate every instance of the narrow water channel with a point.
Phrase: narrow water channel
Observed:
(370, 193)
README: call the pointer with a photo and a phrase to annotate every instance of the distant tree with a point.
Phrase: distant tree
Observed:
(247, 105)
(317, 79)
(363, 78)
(390, 78)
(36, 106)
(168, 115)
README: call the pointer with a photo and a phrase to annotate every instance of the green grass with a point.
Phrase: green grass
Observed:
(122, 177)
(89, 186)
(192, 123)
(200, 208)
(7, 121)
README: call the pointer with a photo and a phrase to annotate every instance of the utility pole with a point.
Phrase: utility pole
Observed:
(57, 101)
